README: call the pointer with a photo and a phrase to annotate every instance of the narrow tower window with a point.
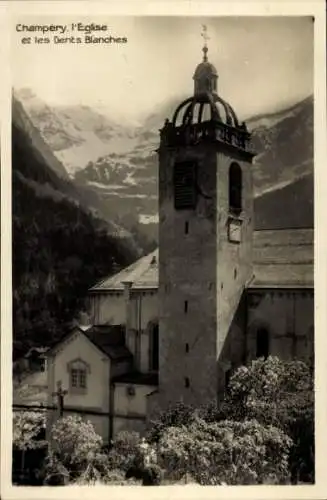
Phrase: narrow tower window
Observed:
(262, 343)
(154, 348)
(235, 188)
(186, 348)
(185, 306)
(185, 192)
(187, 382)
(186, 227)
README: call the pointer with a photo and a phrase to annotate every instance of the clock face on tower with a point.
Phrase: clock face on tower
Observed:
(234, 230)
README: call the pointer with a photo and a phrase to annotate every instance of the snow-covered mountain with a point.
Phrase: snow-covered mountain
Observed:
(118, 163)
(284, 145)
(76, 134)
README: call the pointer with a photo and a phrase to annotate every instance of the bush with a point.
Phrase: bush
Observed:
(235, 453)
(53, 472)
(176, 416)
(125, 452)
(152, 475)
(77, 447)
(27, 428)
(277, 393)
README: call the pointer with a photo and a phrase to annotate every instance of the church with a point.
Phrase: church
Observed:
(215, 295)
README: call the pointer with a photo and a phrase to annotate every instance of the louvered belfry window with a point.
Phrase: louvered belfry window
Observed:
(185, 185)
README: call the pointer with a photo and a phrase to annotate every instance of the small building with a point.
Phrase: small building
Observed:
(108, 369)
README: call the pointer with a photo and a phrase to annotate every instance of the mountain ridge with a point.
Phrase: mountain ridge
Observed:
(125, 180)
(60, 249)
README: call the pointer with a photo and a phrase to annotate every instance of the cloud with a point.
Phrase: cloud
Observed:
(263, 63)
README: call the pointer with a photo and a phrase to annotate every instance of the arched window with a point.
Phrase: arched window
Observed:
(154, 348)
(262, 343)
(235, 188)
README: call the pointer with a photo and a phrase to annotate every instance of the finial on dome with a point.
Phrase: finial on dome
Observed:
(205, 36)
(205, 75)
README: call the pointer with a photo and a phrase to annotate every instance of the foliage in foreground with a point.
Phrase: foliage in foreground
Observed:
(271, 392)
(27, 427)
(278, 393)
(225, 452)
(262, 433)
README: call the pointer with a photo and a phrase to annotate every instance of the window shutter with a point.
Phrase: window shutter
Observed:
(185, 185)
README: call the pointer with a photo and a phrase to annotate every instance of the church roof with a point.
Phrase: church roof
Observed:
(282, 258)
(143, 274)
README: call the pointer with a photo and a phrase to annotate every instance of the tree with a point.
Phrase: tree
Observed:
(76, 446)
(278, 393)
(175, 416)
(28, 435)
(235, 453)
(125, 452)
(27, 428)
(273, 394)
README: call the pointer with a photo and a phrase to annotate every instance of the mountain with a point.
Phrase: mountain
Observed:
(124, 179)
(23, 122)
(284, 145)
(290, 206)
(75, 134)
(60, 248)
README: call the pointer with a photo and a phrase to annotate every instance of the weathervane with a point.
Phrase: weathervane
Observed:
(205, 37)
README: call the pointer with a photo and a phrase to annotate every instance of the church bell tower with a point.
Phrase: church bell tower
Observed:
(205, 243)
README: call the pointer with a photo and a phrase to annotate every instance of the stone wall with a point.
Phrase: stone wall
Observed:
(202, 276)
(288, 317)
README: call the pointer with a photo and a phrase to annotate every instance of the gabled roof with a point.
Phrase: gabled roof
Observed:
(281, 258)
(109, 339)
(143, 274)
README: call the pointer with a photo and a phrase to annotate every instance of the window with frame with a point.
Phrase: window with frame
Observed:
(78, 378)
(78, 375)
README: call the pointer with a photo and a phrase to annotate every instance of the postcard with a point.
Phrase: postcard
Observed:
(163, 249)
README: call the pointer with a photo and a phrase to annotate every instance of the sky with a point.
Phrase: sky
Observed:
(264, 63)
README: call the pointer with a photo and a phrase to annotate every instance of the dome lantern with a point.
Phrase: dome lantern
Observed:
(205, 75)
(205, 116)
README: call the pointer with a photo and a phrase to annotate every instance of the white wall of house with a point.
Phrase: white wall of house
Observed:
(144, 308)
(96, 395)
(130, 410)
(138, 312)
(121, 424)
(108, 308)
(111, 308)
